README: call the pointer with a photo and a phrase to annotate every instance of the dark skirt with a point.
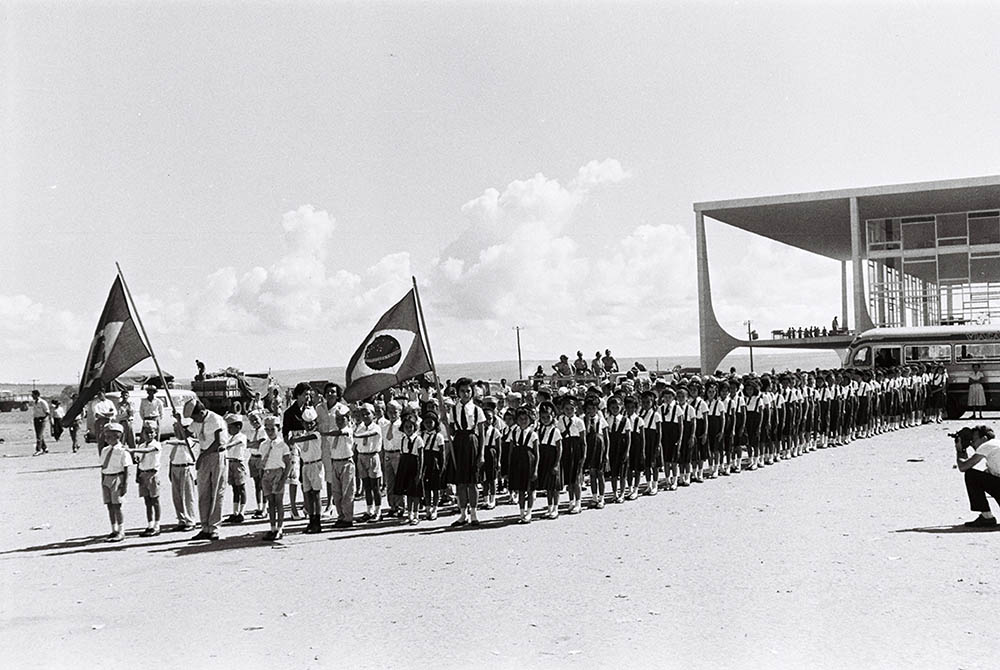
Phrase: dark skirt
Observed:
(505, 447)
(670, 434)
(651, 449)
(753, 430)
(465, 467)
(597, 453)
(618, 454)
(716, 424)
(409, 481)
(549, 474)
(636, 452)
(491, 460)
(433, 466)
(572, 460)
(521, 469)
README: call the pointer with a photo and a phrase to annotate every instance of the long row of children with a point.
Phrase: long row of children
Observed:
(611, 438)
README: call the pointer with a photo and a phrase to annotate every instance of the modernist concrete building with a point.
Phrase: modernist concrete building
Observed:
(919, 254)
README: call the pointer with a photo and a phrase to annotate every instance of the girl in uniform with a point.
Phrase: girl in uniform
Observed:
(738, 410)
(767, 422)
(619, 432)
(670, 436)
(636, 449)
(597, 448)
(506, 443)
(687, 435)
(699, 449)
(491, 451)
(754, 415)
(523, 473)
(649, 417)
(548, 449)
(574, 451)
(468, 423)
(433, 461)
(256, 466)
(716, 419)
(410, 473)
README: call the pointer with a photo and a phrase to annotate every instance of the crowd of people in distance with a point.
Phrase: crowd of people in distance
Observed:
(410, 458)
(600, 366)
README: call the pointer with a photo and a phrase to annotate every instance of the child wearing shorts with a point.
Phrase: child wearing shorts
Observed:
(148, 475)
(236, 467)
(114, 478)
(277, 464)
(255, 466)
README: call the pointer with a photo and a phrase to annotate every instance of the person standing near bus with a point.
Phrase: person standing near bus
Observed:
(40, 416)
(977, 394)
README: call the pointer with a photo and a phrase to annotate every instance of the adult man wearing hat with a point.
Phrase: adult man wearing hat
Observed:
(209, 429)
(150, 407)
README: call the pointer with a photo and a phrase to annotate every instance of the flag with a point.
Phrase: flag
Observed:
(392, 353)
(117, 346)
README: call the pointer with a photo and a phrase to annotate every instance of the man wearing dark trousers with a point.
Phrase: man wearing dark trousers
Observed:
(980, 482)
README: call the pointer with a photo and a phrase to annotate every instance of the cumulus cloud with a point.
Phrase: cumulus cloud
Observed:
(36, 334)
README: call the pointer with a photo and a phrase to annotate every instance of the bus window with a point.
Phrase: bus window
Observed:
(888, 357)
(922, 353)
(862, 357)
(977, 352)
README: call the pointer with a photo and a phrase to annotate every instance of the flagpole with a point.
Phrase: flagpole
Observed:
(142, 328)
(430, 356)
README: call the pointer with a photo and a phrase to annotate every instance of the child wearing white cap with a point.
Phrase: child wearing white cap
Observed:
(148, 475)
(114, 478)
(276, 460)
(311, 468)
(236, 467)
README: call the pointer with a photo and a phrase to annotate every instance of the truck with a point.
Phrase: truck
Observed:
(10, 401)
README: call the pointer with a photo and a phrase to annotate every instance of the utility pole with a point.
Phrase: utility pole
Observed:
(749, 342)
(33, 384)
(520, 372)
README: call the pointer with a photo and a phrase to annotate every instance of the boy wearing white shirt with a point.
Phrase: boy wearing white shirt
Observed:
(341, 472)
(311, 472)
(368, 445)
(236, 454)
(277, 463)
(392, 437)
(182, 481)
(114, 478)
(148, 475)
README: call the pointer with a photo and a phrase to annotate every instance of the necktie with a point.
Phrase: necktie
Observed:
(388, 435)
(465, 420)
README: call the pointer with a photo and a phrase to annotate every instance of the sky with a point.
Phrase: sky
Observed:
(271, 176)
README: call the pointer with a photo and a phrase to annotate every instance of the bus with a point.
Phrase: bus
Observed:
(958, 348)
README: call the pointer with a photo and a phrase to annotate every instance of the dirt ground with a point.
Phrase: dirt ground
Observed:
(844, 558)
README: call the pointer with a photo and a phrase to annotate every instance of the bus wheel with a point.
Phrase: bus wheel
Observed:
(954, 409)
(237, 407)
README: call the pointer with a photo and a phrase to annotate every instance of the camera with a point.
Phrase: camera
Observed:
(964, 437)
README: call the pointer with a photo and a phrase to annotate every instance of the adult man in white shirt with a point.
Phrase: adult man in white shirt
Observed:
(326, 422)
(980, 482)
(104, 411)
(40, 415)
(209, 429)
(151, 408)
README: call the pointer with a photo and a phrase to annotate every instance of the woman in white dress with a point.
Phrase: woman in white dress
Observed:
(977, 396)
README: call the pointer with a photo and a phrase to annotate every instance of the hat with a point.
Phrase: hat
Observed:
(150, 387)
(514, 394)
(270, 419)
(231, 418)
(368, 407)
(563, 390)
(115, 426)
(151, 424)
(342, 410)
(394, 404)
(191, 406)
(309, 415)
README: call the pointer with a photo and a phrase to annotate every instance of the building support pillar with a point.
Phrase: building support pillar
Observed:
(862, 320)
(714, 341)
(843, 294)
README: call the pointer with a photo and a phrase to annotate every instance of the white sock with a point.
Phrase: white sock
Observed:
(986, 515)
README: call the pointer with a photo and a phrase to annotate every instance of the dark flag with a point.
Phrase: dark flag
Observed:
(117, 346)
(392, 353)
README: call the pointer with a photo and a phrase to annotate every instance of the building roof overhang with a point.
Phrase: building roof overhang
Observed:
(820, 222)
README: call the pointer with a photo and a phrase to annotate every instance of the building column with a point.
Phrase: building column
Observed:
(714, 342)
(843, 294)
(862, 321)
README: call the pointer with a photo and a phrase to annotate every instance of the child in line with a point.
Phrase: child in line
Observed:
(182, 477)
(468, 424)
(310, 469)
(506, 444)
(670, 435)
(410, 474)
(524, 462)
(368, 446)
(649, 417)
(597, 449)
(255, 465)
(236, 448)
(433, 462)
(574, 451)
(114, 478)
(148, 475)
(619, 430)
(491, 451)
(548, 446)
(277, 463)
(636, 449)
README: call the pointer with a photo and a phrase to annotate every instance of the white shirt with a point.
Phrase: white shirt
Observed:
(368, 438)
(411, 445)
(341, 446)
(117, 460)
(151, 460)
(151, 409)
(180, 454)
(274, 452)
(392, 435)
(236, 446)
(433, 440)
(310, 450)
(205, 431)
(474, 416)
(105, 409)
(990, 452)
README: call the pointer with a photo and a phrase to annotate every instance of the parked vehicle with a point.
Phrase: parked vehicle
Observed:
(10, 402)
(135, 396)
(955, 347)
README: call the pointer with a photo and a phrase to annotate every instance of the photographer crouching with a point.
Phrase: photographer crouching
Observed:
(979, 482)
